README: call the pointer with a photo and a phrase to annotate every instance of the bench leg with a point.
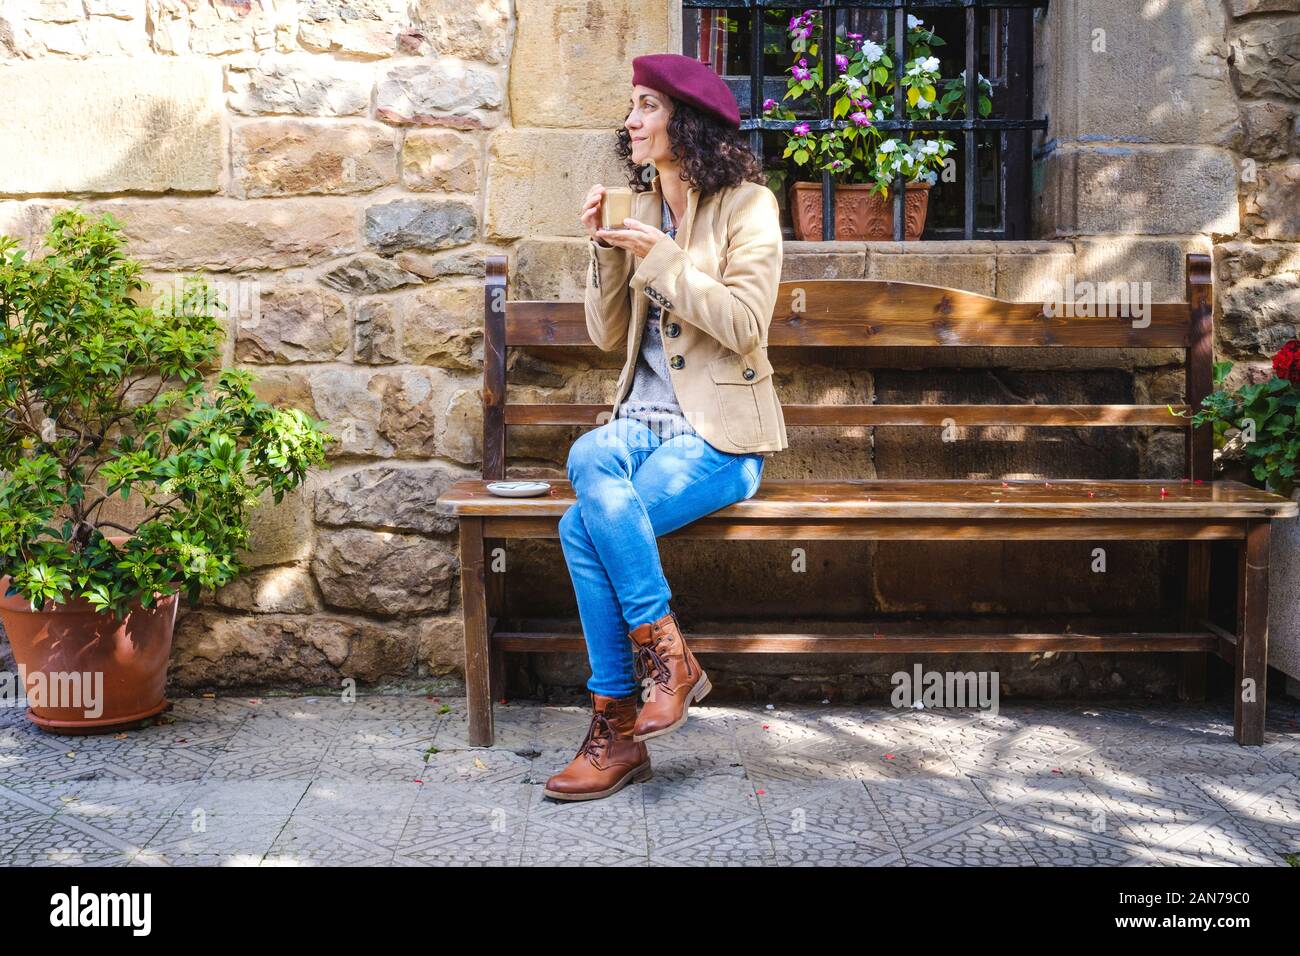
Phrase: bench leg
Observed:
(473, 599)
(1196, 608)
(1251, 651)
(494, 586)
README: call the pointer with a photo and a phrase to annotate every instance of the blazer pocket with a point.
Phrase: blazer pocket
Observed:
(745, 395)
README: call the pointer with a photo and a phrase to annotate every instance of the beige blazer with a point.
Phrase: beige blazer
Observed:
(716, 287)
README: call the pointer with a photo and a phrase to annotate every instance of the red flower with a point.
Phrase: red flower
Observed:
(1286, 363)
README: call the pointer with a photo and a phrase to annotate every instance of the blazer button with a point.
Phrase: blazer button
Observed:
(674, 330)
(677, 361)
(749, 373)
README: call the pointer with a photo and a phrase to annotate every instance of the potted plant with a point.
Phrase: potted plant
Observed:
(104, 401)
(1257, 430)
(864, 160)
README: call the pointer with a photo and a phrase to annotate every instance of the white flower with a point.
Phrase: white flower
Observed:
(880, 116)
(889, 145)
(871, 51)
(913, 22)
(931, 177)
(922, 103)
(930, 64)
(852, 82)
(929, 147)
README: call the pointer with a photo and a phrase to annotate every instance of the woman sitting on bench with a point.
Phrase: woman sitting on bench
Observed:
(695, 410)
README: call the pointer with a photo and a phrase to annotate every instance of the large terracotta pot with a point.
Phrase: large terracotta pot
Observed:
(860, 214)
(74, 638)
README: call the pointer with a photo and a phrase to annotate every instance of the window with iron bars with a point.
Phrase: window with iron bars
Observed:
(989, 198)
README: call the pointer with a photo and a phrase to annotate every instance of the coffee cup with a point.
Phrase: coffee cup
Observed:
(615, 206)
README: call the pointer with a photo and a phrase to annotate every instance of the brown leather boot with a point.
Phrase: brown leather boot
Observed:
(678, 680)
(608, 759)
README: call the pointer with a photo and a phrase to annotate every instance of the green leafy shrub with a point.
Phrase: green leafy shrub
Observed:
(1258, 424)
(102, 396)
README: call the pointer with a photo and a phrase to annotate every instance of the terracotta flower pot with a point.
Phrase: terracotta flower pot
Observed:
(120, 666)
(860, 214)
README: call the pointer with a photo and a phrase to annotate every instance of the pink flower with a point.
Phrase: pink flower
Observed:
(860, 118)
(801, 129)
(769, 104)
(800, 70)
(841, 62)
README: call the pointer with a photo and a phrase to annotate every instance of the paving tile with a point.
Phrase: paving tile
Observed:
(223, 797)
(483, 766)
(289, 761)
(163, 858)
(716, 822)
(607, 832)
(1053, 845)
(329, 798)
(983, 840)
(309, 732)
(342, 763)
(405, 707)
(826, 824)
(218, 835)
(1268, 805)
(463, 825)
(74, 841)
(387, 733)
(919, 809)
(353, 839)
(1064, 811)
(1180, 827)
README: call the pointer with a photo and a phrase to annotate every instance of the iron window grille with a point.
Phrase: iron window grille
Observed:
(1011, 65)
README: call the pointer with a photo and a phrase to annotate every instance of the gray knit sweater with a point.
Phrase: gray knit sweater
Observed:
(652, 399)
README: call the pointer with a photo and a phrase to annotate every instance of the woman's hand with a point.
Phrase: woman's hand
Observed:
(590, 218)
(636, 235)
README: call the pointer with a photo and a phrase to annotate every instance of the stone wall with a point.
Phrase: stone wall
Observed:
(342, 167)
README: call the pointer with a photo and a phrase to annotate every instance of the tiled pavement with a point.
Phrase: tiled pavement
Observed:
(312, 781)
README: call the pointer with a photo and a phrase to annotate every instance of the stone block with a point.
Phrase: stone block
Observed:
(301, 157)
(111, 126)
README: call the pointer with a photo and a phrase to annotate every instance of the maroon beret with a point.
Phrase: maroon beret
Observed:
(686, 78)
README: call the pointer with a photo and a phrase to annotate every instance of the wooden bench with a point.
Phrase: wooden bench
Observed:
(868, 313)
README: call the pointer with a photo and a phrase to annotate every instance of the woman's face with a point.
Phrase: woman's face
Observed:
(647, 125)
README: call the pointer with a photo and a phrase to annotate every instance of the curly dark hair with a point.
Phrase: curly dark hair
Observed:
(712, 156)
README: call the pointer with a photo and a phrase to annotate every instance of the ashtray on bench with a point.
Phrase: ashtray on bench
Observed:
(518, 489)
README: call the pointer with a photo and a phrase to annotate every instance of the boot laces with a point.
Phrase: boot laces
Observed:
(598, 738)
(649, 661)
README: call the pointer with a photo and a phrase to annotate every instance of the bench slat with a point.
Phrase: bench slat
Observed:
(913, 529)
(523, 413)
(858, 312)
(923, 498)
(802, 643)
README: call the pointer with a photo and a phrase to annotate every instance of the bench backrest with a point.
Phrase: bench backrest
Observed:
(870, 313)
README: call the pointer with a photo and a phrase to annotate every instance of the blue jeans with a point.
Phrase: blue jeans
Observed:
(632, 487)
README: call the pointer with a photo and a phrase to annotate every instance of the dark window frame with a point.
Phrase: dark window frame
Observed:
(1015, 163)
